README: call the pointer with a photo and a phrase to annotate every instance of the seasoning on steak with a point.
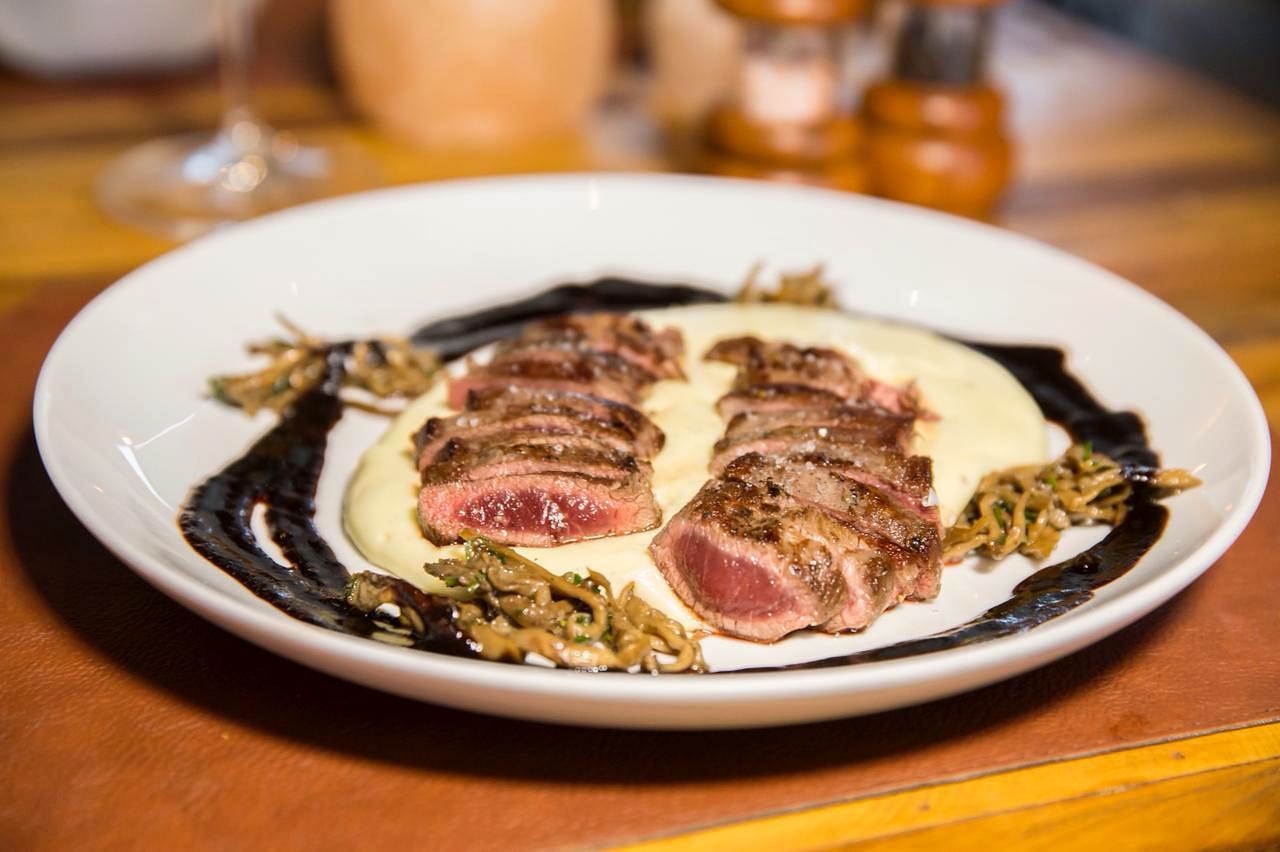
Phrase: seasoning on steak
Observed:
(621, 334)
(754, 564)
(772, 398)
(607, 411)
(490, 460)
(910, 544)
(537, 509)
(819, 369)
(814, 480)
(584, 373)
(490, 424)
(761, 363)
(885, 434)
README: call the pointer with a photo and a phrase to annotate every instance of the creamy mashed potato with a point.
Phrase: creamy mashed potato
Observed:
(986, 421)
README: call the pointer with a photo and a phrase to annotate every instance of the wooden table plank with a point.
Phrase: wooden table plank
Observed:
(1233, 779)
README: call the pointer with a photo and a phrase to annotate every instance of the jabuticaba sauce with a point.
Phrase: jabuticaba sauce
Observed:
(282, 470)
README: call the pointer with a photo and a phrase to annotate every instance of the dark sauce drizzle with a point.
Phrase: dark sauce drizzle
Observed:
(282, 470)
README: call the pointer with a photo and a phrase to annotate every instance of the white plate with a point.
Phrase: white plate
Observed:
(125, 432)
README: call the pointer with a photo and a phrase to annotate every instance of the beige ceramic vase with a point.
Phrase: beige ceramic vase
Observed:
(473, 73)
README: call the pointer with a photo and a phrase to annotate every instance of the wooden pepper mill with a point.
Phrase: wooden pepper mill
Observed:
(935, 129)
(786, 117)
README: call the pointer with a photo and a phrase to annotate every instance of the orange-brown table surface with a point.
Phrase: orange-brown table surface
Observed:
(127, 722)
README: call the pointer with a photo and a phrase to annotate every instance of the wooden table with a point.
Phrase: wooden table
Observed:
(1127, 161)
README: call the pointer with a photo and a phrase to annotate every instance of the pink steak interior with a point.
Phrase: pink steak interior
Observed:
(527, 510)
(738, 585)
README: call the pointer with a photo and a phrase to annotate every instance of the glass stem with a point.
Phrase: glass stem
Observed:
(236, 19)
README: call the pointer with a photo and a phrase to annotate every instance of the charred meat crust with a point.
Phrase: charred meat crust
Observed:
(482, 428)
(586, 406)
(821, 370)
(489, 462)
(761, 363)
(812, 480)
(626, 336)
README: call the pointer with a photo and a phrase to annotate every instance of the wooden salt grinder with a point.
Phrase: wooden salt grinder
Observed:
(935, 129)
(785, 119)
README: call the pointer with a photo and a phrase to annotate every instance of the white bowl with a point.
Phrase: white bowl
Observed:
(125, 431)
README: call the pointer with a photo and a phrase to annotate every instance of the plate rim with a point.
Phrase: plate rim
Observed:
(1001, 658)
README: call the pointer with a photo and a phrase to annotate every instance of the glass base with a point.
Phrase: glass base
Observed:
(180, 187)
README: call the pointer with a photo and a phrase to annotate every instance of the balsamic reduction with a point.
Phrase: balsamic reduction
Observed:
(281, 472)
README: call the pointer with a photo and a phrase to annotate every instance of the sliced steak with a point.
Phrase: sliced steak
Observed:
(754, 564)
(537, 509)
(774, 398)
(578, 356)
(477, 427)
(885, 434)
(817, 368)
(470, 445)
(776, 363)
(908, 480)
(627, 336)
(764, 421)
(589, 373)
(488, 461)
(813, 481)
(901, 557)
(589, 407)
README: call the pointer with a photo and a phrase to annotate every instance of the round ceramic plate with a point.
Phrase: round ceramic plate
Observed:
(125, 429)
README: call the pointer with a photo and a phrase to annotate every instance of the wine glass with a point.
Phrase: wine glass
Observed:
(183, 186)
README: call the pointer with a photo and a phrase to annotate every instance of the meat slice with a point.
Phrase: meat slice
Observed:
(759, 422)
(537, 509)
(885, 434)
(756, 564)
(468, 444)
(574, 354)
(813, 480)
(598, 409)
(911, 543)
(624, 335)
(481, 427)
(774, 398)
(459, 462)
(819, 369)
(539, 375)
(908, 480)
(776, 363)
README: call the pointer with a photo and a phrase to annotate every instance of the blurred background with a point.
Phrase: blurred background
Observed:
(1142, 135)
